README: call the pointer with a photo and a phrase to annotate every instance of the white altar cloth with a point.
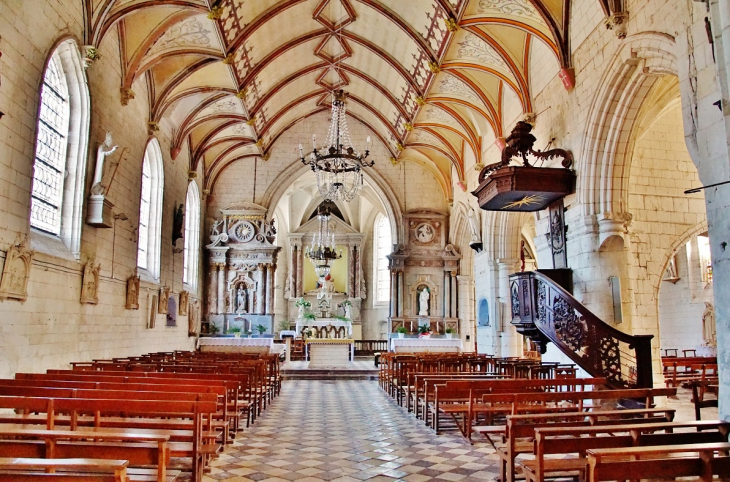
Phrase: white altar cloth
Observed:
(428, 345)
(241, 345)
(301, 322)
(325, 352)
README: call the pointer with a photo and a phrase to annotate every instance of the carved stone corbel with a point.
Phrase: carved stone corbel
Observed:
(617, 22)
(16, 272)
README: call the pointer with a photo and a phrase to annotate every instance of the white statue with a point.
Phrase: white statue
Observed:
(105, 149)
(709, 329)
(214, 231)
(240, 300)
(423, 302)
(300, 314)
(474, 225)
(348, 313)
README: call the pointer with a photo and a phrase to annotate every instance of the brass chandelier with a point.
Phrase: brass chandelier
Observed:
(337, 165)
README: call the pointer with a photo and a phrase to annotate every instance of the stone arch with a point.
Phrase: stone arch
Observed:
(606, 141)
(672, 250)
(386, 195)
(460, 236)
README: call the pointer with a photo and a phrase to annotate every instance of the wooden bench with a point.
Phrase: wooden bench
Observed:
(139, 450)
(667, 461)
(455, 397)
(519, 432)
(131, 410)
(68, 470)
(573, 442)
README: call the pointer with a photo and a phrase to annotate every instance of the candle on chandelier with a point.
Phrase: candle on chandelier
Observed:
(367, 144)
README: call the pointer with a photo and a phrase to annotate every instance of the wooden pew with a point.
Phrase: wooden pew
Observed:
(455, 397)
(137, 449)
(519, 432)
(667, 461)
(65, 470)
(576, 441)
(195, 450)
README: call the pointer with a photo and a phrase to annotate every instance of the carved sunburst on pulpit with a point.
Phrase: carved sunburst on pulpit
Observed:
(525, 201)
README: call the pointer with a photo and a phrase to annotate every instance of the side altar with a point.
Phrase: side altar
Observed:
(242, 260)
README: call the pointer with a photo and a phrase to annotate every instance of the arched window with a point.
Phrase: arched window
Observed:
(383, 247)
(192, 236)
(150, 210)
(61, 145)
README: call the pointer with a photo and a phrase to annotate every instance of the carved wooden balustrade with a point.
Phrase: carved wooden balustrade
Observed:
(544, 311)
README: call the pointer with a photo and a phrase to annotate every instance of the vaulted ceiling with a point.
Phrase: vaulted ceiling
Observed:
(427, 76)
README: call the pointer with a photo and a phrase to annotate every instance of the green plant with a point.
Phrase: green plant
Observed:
(341, 318)
(423, 329)
(284, 324)
(234, 329)
(450, 330)
(309, 316)
(212, 329)
(401, 329)
(261, 329)
(302, 302)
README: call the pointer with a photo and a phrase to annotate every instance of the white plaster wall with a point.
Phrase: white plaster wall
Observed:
(52, 328)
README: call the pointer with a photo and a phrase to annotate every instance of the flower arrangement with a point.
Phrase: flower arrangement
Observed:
(301, 302)
(424, 331)
(261, 329)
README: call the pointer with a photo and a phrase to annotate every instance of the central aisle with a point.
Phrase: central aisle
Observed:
(347, 430)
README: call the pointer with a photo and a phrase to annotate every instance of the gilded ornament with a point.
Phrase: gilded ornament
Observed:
(127, 95)
(451, 24)
(434, 67)
(228, 59)
(215, 13)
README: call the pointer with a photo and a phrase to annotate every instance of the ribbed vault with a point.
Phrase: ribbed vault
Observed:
(429, 77)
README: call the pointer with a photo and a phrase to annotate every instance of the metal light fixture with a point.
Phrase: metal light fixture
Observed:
(322, 251)
(337, 166)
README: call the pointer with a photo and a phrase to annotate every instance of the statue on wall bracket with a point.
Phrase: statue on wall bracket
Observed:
(133, 292)
(90, 282)
(162, 301)
(16, 272)
(183, 308)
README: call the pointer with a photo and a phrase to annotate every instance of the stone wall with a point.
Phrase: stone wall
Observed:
(52, 327)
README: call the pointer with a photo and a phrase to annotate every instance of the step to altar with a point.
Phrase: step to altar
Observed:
(363, 368)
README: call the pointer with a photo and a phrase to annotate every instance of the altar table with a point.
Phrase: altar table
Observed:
(238, 345)
(426, 345)
(327, 352)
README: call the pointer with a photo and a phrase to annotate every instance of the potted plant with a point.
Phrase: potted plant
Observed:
(401, 330)
(310, 316)
(424, 331)
(449, 332)
(261, 329)
(213, 329)
(236, 330)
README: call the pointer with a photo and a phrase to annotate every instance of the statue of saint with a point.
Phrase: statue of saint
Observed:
(214, 231)
(105, 149)
(709, 329)
(348, 313)
(240, 300)
(474, 225)
(423, 302)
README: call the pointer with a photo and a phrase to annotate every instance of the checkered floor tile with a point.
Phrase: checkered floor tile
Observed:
(347, 430)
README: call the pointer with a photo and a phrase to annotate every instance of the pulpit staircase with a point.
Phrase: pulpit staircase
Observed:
(543, 310)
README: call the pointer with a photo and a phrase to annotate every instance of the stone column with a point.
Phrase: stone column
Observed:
(221, 288)
(511, 341)
(351, 270)
(393, 293)
(260, 290)
(213, 290)
(293, 271)
(447, 294)
(269, 289)
(454, 295)
(358, 270)
(400, 300)
(300, 272)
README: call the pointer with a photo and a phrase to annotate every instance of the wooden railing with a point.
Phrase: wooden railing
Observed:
(370, 347)
(544, 311)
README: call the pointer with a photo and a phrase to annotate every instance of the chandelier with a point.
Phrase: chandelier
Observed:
(337, 166)
(322, 251)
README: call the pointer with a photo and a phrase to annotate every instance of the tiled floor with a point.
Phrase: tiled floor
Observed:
(347, 430)
(358, 364)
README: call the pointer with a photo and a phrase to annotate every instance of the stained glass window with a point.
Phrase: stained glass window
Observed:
(50, 156)
(383, 246)
(192, 236)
